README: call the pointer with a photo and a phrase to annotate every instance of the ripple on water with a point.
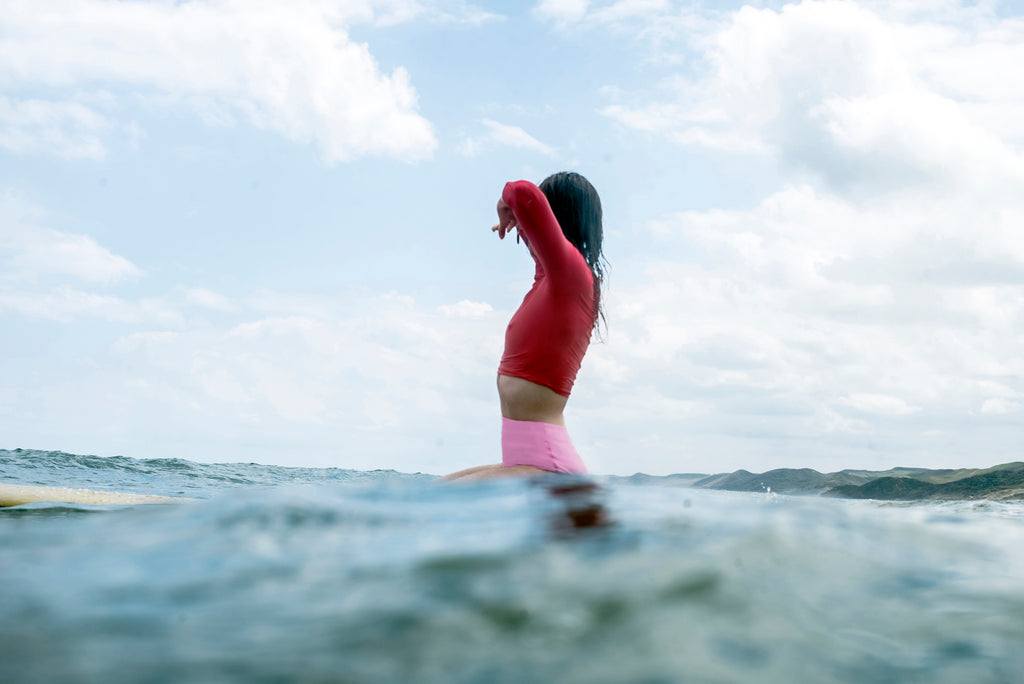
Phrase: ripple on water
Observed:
(326, 576)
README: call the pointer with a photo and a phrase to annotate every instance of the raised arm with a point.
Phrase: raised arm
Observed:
(536, 222)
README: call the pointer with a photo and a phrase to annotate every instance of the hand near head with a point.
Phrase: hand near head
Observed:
(506, 220)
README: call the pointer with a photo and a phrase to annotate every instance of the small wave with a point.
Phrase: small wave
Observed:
(327, 574)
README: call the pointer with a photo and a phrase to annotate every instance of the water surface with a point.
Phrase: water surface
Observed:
(336, 575)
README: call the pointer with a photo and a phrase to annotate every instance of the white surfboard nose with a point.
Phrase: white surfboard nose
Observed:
(17, 495)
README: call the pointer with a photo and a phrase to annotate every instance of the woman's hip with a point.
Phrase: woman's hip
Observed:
(541, 445)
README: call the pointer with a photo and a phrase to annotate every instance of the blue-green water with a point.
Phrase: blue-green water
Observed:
(282, 574)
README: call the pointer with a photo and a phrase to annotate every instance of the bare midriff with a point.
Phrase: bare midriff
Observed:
(525, 400)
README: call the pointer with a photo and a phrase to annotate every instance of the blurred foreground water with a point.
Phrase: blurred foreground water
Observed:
(290, 574)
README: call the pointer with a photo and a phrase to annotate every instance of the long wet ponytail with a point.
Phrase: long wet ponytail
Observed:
(577, 207)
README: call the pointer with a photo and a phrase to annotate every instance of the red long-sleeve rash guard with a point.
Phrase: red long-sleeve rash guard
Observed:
(547, 337)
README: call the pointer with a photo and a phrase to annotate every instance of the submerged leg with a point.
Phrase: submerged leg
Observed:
(487, 472)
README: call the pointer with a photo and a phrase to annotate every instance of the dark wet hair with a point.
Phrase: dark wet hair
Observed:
(577, 207)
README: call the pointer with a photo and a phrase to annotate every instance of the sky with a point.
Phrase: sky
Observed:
(259, 230)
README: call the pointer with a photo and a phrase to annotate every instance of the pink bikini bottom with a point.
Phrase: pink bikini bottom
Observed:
(541, 445)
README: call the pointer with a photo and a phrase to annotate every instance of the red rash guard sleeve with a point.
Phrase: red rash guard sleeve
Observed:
(549, 334)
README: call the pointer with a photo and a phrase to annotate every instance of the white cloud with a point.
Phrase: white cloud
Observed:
(625, 10)
(360, 380)
(65, 304)
(465, 309)
(390, 12)
(879, 404)
(872, 307)
(43, 272)
(31, 252)
(290, 68)
(208, 299)
(566, 12)
(384, 381)
(40, 251)
(562, 11)
(1000, 406)
(502, 135)
(860, 325)
(865, 101)
(64, 129)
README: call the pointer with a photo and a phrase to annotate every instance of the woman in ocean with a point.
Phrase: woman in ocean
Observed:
(560, 222)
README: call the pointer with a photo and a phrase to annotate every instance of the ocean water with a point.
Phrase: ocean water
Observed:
(328, 575)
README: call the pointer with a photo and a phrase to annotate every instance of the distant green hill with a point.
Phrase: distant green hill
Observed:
(680, 479)
(972, 485)
(898, 484)
(780, 480)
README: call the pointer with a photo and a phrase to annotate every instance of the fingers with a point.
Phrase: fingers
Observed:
(503, 229)
(506, 221)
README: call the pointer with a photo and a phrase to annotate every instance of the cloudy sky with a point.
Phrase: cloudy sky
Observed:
(258, 230)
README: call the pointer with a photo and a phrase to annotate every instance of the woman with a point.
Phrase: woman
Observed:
(545, 342)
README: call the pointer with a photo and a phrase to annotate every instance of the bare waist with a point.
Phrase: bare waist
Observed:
(525, 400)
